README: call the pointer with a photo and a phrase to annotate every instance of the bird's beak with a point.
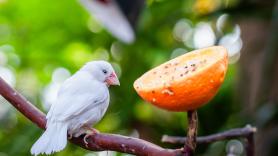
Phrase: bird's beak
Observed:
(112, 79)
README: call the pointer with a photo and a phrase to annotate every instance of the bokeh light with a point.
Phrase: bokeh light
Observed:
(116, 51)
(203, 35)
(94, 26)
(60, 74)
(3, 58)
(8, 75)
(100, 54)
(181, 29)
(177, 52)
(233, 43)
(49, 93)
(117, 69)
(221, 22)
(234, 148)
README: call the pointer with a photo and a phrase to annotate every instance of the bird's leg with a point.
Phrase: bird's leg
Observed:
(90, 132)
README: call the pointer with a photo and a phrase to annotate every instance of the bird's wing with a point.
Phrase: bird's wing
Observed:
(76, 95)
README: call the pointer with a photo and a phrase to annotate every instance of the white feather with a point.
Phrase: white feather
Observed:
(54, 139)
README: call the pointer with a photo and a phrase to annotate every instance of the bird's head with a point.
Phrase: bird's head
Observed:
(102, 71)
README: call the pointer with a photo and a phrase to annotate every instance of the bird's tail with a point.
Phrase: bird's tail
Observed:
(54, 139)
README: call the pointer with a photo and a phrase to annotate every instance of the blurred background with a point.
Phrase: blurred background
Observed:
(44, 42)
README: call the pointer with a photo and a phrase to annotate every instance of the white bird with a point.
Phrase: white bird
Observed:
(81, 102)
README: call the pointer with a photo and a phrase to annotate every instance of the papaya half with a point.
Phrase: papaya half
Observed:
(186, 82)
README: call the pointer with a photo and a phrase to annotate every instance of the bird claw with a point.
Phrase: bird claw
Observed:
(85, 140)
(92, 132)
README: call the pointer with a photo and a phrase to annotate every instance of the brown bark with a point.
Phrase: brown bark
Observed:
(190, 143)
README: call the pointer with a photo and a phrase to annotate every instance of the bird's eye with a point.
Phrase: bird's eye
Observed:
(104, 71)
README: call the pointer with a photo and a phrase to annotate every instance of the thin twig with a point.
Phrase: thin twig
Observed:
(229, 134)
(98, 142)
(249, 145)
(190, 143)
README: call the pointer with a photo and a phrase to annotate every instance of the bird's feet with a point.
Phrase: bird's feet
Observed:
(90, 132)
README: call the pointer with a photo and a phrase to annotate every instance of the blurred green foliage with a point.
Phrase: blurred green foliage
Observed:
(37, 37)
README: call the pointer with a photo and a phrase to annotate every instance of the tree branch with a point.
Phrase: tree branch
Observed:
(249, 145)
(98, 142)
(245, 132)
(190, 143)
